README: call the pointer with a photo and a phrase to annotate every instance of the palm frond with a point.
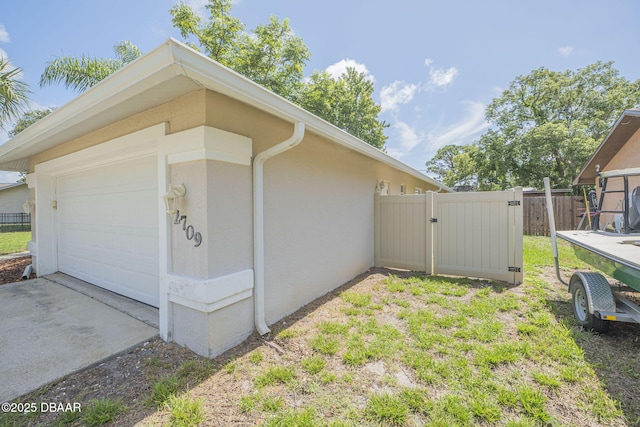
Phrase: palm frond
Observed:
(126, 51)
(78, 73)
(13, 93)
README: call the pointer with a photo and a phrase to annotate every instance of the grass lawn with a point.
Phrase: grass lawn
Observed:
(411, 350)
(14, 242)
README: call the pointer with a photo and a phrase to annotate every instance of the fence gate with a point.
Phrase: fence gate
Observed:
(463, 234)
(403, 236)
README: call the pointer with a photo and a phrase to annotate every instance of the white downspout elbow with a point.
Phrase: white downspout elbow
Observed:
(258, 222)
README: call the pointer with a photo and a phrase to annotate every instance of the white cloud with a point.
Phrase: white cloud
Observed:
(340, 67)
(4, 35)
(406, 138)
(400, 92)
(462, 132)
(565, 50)
(440, 77)
(397, 93)
(409, 137)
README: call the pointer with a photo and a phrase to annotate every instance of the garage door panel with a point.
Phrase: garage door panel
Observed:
(108, 228)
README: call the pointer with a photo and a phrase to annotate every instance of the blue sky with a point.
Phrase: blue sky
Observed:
(436, 64)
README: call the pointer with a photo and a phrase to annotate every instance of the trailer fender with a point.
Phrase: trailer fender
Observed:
(597, 289)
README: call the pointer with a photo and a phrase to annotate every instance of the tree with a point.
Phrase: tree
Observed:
(272, 56)
(453, 165)
(82, 73)
(548, 123)
(29, 118)
(13, 93)
(347, 102)
(219, 37)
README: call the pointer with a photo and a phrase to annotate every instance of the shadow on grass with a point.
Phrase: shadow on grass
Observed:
(614, 356)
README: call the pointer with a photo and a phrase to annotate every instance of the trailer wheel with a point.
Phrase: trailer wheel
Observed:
(581, 310)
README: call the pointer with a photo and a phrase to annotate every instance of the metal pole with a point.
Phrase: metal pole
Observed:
(552, 228)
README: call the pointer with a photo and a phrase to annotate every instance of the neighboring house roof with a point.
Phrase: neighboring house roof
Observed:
(169, 71)
(621, 132)
(6, 186)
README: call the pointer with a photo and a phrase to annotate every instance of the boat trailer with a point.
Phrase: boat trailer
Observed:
(614, 251)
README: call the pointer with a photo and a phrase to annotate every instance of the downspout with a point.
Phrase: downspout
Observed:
(27, 272)
(258, 222)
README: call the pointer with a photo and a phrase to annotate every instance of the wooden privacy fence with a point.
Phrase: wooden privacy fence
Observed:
(568, 211)
(462, 234)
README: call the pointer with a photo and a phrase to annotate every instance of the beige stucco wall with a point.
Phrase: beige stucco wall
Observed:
(627, 157)
(230, 218)
(209, 334)
(185, 257)
(12, 199)
(218, 205)
(180, 114)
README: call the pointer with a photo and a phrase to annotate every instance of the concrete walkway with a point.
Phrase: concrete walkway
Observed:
(16, 255)
(48, 330)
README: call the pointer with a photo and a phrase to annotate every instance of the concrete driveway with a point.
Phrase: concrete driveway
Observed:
(56, 325)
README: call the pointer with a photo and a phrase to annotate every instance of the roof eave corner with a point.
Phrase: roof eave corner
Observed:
(578, 179)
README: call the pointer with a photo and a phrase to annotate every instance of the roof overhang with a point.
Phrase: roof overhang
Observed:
(7, 186)
(169, 71)
(620, 133)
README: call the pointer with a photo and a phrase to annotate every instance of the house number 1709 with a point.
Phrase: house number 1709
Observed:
(189, 231)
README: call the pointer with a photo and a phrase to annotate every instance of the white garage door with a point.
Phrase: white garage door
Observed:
(108, 228)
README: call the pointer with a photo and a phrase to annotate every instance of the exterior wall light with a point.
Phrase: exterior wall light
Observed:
(171, 197)
(28, 205)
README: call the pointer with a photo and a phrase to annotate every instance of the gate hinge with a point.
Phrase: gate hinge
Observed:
(432, 220)
(515, 269)
(513, 203)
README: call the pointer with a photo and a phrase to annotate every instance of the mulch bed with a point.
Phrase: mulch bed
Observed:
(11, 269)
